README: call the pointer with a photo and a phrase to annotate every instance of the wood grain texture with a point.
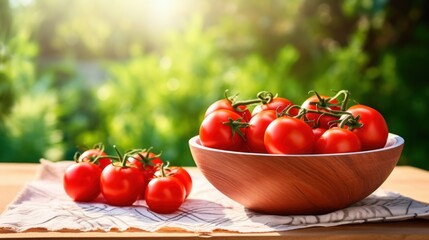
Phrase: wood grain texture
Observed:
(297, 184)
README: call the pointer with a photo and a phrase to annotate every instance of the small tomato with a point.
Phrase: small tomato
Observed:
(81, 181)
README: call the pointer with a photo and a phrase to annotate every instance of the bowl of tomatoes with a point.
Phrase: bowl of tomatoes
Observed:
(289, 165)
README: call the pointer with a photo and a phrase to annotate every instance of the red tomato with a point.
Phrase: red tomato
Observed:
(226, 104)
(148, 163)
(277, 104)
(82, 181)
(223, 129)
(256, 130)
(337, 140)
(288, 135)
(121, 186)
(165, 194)
(95, 154)
(318, 132)
(184, 177)
(318, 119)
(374, 131)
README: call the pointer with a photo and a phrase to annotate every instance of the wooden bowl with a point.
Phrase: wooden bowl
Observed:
(297, 184)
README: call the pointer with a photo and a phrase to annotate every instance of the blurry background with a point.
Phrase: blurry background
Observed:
(141, 73)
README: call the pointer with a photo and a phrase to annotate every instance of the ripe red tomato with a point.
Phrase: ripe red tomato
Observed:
(81, 181)
(184, 177)
(121, 186)
(223, 129)
(318, 119)
(93, 154)
(226, 104)
(288, 135)
(165, 194)
(256, 130)
(277, 104)
(337, 140)
(374, 131)
(318, 132)
(148, 163)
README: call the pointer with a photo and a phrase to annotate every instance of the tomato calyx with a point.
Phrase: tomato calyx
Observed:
(236, 126)
(145, 156)
(350, 121)
(322, 102)
(121, 160)
(326, 103)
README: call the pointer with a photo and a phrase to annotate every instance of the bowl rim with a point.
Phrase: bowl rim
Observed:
(397, 141)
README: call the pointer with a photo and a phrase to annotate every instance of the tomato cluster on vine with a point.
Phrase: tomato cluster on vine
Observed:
(322, 124)
(121, 180)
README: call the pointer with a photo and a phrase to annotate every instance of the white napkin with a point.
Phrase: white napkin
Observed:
(43, 204)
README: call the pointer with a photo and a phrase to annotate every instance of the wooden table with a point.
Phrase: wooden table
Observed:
(409, 181)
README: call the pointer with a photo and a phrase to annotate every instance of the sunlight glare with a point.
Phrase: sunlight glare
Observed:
(163, 13)
(19, 3)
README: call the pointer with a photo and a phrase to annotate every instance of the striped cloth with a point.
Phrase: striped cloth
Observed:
(44, 205)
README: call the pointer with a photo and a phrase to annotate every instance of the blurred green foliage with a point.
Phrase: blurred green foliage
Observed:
(141, 73)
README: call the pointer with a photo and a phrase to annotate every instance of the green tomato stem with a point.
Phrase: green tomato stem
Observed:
(163, 168)
(263, 97)
(344, 102)
(123, 159)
